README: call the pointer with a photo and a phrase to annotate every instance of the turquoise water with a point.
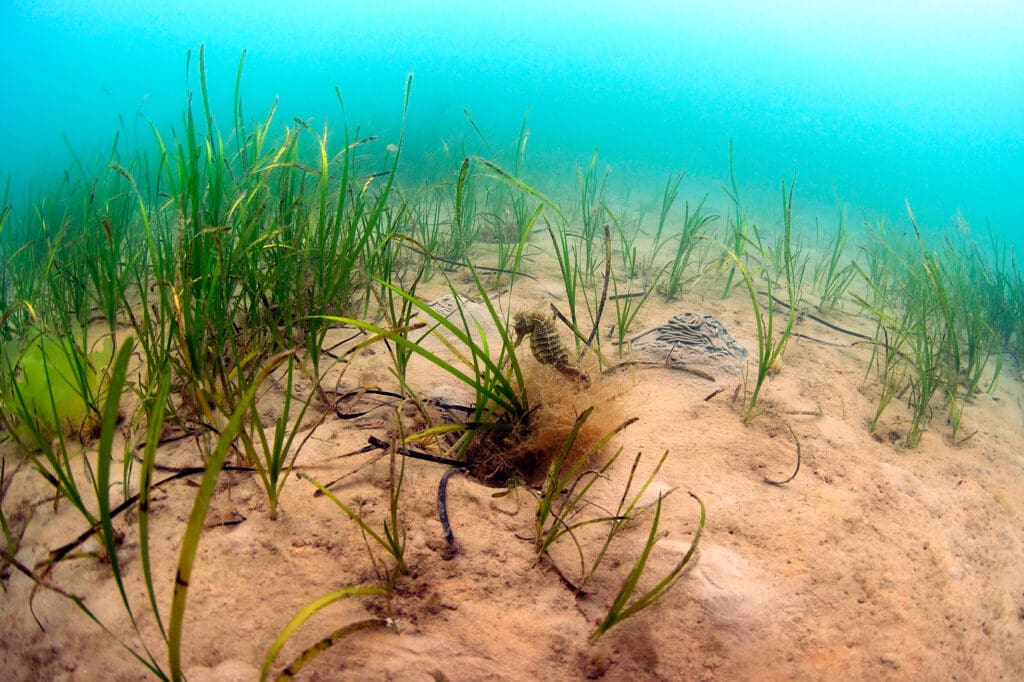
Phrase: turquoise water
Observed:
(865, 104)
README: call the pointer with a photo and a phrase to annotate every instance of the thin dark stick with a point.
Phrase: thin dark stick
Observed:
(329, 352)
(819, 320)
(634, 294)
(567, 323)
(607, 277)
(579, 335)
(824, 343)
(419, 454)
(715, 392)
(966, 438)
(62, 551)
(663, 365)
(358, 393)
(339, 479)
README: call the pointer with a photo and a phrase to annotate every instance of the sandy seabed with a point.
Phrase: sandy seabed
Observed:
(875, 562)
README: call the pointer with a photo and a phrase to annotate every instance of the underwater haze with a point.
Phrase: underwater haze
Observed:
(870, 103)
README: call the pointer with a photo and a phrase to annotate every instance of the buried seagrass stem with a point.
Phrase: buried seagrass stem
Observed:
(798, 458)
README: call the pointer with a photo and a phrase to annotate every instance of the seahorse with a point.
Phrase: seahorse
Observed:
(545, 343)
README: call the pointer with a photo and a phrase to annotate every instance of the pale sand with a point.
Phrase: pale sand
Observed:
(873, 563)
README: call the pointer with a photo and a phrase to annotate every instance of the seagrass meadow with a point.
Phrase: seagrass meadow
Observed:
(285, 398)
